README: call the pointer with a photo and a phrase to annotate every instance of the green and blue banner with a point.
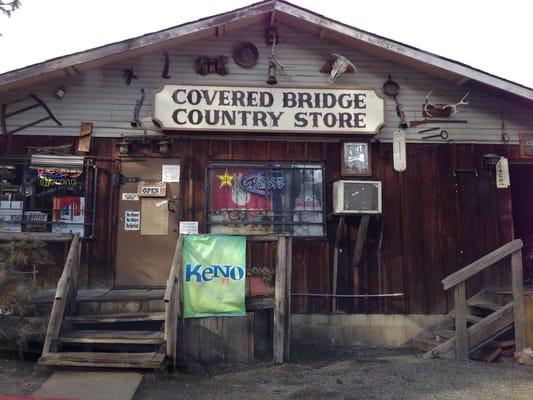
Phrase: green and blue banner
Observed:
(214, 276)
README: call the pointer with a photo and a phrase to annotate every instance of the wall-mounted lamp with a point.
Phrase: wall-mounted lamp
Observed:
(490, 160)
(124, 147)
(59, 93)
(164, 146)
(272, 73)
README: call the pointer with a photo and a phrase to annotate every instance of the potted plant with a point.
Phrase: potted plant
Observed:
(260, 281)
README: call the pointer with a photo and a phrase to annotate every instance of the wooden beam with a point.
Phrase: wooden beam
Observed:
(360, 242)
(517, 279)
(462, 81)
(482, 263)
(461, 345)
(322, 34)
(288, 281)
(280, 302)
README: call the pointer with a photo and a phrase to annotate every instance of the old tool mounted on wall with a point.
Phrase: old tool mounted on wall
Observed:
(392, 89)
(164, 74)
(414, 124)
(443, 135)
(4, 115)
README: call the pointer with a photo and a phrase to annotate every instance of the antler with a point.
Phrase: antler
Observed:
(426, 104)
(460, 103)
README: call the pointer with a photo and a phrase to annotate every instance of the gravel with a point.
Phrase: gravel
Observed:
(318, 373)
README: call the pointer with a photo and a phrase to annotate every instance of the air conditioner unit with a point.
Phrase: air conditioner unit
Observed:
(357, 197)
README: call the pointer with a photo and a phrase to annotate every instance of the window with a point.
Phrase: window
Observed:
(266, 198)
(44, 194)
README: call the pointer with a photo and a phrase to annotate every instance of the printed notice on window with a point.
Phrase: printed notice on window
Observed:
(170, 173)
(132, 220)
(189, 227)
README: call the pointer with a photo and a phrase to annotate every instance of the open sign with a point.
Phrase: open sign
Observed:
(151, 189)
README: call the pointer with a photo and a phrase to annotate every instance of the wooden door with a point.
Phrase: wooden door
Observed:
(522, 197)
(147, 225)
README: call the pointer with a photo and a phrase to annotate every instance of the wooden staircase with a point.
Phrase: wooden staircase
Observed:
(482, 318)
(145, 337)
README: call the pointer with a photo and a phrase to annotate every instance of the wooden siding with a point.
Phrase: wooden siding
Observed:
(433, 222)
(100, 95)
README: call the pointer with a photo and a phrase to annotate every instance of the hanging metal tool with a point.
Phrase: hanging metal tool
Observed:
(392, 89)
(135, 122)
(443, 135)
(414, 124)
(164, 74)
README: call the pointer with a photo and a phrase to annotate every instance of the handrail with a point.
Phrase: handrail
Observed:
(457, 281)
(172, 300)
(482, 263)
(65, 293)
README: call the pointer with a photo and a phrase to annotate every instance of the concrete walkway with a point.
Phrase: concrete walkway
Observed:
(90, 385)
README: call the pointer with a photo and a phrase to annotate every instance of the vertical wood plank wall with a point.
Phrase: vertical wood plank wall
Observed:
(433, 223)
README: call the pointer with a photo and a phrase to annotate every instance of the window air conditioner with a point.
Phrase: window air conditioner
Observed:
(357, 197)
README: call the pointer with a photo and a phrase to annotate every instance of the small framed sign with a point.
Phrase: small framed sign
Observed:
(356, 159)
(526, 145)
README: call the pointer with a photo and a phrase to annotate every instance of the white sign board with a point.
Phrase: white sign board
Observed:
(399, 156)
(132, 220)
(503, 180)
(130, 196)
(272, 109)
(188, 227)
(170, 173)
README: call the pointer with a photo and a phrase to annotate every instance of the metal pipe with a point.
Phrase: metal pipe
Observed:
(348, 295)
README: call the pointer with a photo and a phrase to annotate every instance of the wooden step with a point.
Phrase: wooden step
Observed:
(118, 337)
(444, 334)
(151, 360)
(474, 319)
(425, 344)
(483, 304)
(111, 318)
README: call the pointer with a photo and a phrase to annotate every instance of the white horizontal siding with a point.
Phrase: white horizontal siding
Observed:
(101, 97)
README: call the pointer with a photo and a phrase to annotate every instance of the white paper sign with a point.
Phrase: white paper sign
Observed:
(189, 227)
(170, 173)
(130, 196)
(503, 180)
(132, 220)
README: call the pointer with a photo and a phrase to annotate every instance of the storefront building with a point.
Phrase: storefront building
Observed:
(379, 159)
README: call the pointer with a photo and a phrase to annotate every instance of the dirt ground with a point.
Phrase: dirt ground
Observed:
(318, 373)
(349, 374)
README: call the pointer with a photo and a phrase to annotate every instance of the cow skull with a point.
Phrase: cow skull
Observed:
(339, 67)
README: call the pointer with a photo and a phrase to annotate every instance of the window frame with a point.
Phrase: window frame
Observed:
(286, 165)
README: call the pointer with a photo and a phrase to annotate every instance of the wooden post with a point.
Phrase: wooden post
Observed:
(517, 279)
(461, 335)
(61, 297)
(280, 302)
(172, 300)
(288, 280)
(340, 229)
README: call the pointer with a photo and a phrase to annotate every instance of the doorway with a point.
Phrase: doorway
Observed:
(522, 197)
(147, 228)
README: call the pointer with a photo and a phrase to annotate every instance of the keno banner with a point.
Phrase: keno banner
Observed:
(214, 276)
(228, 108)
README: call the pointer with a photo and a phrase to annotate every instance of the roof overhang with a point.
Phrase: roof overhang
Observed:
(262, 12)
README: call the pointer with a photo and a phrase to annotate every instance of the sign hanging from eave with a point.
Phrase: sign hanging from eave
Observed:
(272, 109)
(503, 180)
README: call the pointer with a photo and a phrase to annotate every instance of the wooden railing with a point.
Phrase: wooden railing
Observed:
(172, 301)
(66, 292)
(457, 282)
